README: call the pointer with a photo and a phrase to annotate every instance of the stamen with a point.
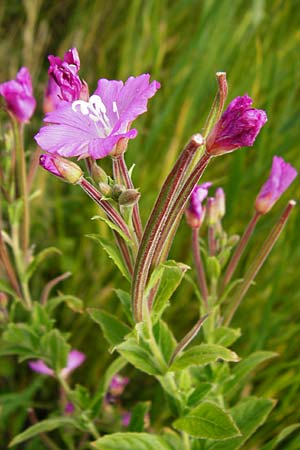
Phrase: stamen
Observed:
(115, 109)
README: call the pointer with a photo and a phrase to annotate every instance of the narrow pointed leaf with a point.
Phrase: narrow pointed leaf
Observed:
(42, 427)
(113, 329)
(112, 252)
(38, 259)
(113, 227)
(201, 355)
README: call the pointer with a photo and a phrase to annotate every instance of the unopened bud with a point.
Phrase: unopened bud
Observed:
(212, 211)
(193, 220)
(220, 202)
(105, 189)
(117, 190)
(129, 197)
(61, 168)
(99, 175)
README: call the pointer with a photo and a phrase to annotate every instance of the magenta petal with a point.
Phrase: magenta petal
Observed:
(281, 176)
(134, 96)
(40, 367)
(101, 147)
(75, 359)
(18, 95)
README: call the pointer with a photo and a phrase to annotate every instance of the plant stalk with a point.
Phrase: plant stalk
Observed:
(259, 260)
(199, 267)
(240, 249)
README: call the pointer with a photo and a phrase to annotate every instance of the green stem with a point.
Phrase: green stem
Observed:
(186, 441)
(122, 176)
(259, 260)
(20, 265)
(161, 363)
(22, 174)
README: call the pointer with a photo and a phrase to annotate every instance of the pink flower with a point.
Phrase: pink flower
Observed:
(238, 127)
(195, 212)
(18, 96)
(94, 127)
(65, 74)
(52, 97)
(62, 168)
(117, 385)
(75, 359)
(281, 176)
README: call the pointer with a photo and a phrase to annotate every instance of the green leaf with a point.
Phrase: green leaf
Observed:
(213, 267)
(6, 287)
(165, 339)
(42, 427)
(226, 336)
(131, 441)
(125, 299)
(201, 355)
(198, 394)
(138, 354)
(208, 421)
(20, 339)
(113, 227)
(113, 329)
(137, 420)
(55, 348)
(112, 252)
(249, 415)
(40, 320)
(38, 259)
(169, 276)
(74, 303)
(281, 437)
(245, 367)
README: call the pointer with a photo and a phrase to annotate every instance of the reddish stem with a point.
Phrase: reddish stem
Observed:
(199, 267)
(240, 249)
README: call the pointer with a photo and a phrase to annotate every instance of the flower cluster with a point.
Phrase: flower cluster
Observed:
(75, 359)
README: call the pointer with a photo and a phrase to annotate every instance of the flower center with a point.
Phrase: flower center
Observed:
(96, 110)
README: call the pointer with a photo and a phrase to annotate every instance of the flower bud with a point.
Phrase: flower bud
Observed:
(212, 211)
(220, 202)
(105, 189)
(61, 168)
(195, 213)
(281, 176)
(99, 175)
(117, 190)
(238, 127)
(129, 197)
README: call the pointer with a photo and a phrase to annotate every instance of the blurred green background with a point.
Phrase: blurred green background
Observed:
(182, 43)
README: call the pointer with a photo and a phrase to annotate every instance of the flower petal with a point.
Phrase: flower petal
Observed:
(40, 367)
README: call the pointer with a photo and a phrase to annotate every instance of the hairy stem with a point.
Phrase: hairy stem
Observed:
(122, 176)
(240, 249)
(199, 267)
(259, 260)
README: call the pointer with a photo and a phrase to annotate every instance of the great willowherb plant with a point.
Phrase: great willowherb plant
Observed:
(202, 381)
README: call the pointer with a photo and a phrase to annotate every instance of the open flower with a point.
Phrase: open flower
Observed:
(195, 213)
(238, 127)
(65, 74)
(75, 359)
(18, 96)
(94, 127)
(281, 176)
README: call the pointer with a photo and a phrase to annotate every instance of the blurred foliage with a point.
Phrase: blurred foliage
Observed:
(182, 43)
